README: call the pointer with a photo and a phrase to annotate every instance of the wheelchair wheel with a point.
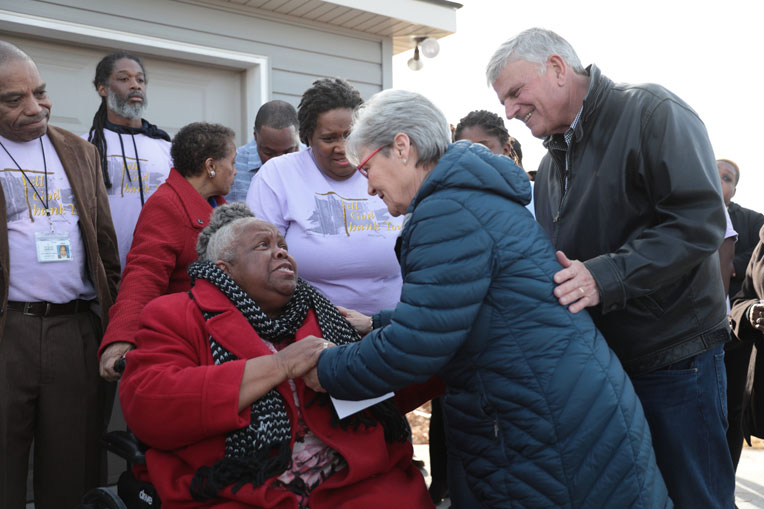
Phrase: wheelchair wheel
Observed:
(101, 498)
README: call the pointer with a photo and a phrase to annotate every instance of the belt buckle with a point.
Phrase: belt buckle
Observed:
(47, 309)
(27, 309)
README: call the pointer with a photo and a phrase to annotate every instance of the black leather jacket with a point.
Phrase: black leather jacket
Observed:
(643, 210)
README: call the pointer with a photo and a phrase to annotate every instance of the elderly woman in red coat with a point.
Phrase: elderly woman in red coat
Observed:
(214, 389)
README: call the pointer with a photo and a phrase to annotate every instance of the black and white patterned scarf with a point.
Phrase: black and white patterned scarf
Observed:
(249, 451)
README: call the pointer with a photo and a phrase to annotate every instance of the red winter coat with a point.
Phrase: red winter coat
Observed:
(177, 401)
(163, 246)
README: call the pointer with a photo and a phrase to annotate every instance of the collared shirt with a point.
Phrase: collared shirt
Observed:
(247, 163)
(568, 140)
(568, 137)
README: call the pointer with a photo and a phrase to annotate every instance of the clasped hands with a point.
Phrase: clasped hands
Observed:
(300, 360)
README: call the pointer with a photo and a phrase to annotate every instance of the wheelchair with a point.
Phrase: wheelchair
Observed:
(131, 493)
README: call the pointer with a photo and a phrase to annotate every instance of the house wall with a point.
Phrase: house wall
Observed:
(291, 53)
(205, 62)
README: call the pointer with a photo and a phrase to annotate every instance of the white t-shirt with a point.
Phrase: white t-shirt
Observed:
(727, 234)
(342, 239)
(31, 280)
(124, 194)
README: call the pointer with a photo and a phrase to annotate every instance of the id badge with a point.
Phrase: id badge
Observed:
(53, 247)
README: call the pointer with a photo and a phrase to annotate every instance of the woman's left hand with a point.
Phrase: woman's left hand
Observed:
(311, 376)
(263, 373)
(301, 356)
(311, 380)
(358, 320)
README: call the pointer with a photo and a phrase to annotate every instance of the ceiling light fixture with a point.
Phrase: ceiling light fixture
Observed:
(430, 49)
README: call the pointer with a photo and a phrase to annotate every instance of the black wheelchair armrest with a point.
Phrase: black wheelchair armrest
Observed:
(125, 445)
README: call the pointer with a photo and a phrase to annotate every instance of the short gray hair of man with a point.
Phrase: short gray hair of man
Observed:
(534, 45)
(387, 113)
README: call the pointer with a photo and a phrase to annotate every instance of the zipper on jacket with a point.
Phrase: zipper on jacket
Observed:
(496, 431)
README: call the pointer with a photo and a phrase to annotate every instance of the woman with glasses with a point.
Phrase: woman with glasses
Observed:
(539, 411)
(342, 238)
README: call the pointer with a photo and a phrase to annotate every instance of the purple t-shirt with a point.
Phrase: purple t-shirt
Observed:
(124, 194)
(66, 278)
(342, 239)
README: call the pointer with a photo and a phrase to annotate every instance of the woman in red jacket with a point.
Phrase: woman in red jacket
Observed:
(214, 389)
(164, 243)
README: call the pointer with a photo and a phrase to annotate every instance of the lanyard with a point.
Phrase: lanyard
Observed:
(137, 162)
(45, 202)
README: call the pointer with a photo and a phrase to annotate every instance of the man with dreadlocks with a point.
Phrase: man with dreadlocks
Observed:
(215, 388)
(135, 155)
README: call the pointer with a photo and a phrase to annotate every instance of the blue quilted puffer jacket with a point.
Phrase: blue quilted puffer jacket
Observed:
(539, 411)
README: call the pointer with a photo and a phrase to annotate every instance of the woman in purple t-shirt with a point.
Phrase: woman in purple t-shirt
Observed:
(342, 238)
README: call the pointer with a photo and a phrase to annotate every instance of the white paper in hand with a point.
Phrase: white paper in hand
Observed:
(345, 407)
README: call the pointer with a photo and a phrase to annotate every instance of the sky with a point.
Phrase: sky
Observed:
(705, 52)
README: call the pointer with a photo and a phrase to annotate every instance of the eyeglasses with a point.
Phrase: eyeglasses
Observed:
(361, 168)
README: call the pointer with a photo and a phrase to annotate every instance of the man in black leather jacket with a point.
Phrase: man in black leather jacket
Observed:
(630, 196)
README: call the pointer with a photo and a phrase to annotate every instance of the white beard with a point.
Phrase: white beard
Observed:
(123, 108)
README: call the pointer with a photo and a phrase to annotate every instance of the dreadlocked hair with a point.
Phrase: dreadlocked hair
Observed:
(95, 136)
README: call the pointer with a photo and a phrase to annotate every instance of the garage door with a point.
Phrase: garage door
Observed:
(178, 92)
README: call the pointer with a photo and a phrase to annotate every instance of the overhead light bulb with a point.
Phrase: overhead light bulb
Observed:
(430, 47)
(415, 63)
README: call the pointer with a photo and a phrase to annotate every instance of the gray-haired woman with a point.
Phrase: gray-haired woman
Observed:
(539, 411)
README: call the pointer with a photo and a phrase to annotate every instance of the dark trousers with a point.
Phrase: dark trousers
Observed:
(50, 393)
(686, 408)
(736, 358)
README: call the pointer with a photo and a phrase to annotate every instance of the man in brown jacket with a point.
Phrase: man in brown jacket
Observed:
(52, 195)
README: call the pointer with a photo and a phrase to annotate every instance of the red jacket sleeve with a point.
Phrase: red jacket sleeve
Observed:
(158, 243)
(171, 393)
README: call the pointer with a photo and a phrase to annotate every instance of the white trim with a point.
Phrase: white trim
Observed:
(257, 83)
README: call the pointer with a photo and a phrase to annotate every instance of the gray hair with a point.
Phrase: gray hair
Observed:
(534, 45)
(214, 242)
(387, 113)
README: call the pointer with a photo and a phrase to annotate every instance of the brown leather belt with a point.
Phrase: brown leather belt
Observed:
(49, 308)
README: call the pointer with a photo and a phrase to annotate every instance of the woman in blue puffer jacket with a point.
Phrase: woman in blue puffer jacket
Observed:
(539, 412)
